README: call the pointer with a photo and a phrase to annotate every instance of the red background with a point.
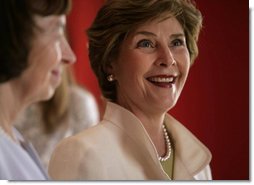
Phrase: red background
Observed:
(214, 104)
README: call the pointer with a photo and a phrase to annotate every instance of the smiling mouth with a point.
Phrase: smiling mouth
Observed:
(162, 81)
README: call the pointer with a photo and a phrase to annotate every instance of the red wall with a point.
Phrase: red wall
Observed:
(214, 104)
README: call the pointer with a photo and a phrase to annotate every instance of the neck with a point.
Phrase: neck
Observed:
(152, 122)
(10, 107)
(153, 125)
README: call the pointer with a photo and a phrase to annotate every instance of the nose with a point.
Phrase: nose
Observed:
(68, 57)
(165, 57)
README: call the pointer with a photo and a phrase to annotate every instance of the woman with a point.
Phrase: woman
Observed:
(70, 110)
(141, 52)
(33, 52)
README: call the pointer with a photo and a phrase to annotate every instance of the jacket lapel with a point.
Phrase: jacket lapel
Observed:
(132, 127)
(191, 155)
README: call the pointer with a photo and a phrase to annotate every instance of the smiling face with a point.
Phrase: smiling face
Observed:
(152, 67)
(49, 52)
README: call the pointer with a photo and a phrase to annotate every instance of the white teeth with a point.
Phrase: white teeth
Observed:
(166, 80)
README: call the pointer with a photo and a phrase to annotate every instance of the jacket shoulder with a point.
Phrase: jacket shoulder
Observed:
(73, 158)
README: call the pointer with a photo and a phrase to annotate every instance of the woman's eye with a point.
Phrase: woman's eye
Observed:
(145, 44)
(178, 42)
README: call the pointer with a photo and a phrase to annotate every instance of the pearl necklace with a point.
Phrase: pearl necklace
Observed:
(166, 157)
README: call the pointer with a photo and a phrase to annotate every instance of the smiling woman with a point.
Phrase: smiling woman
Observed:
(141, 52)
(33, 50)
(159, 60)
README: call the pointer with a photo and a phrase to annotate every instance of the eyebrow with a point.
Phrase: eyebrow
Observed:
(147, 33)
(177, 35)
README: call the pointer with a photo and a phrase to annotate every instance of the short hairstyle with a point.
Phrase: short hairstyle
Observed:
(117, 18)
(17, 30)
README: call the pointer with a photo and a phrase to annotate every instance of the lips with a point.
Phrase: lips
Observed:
(56, 72)
(165, 81)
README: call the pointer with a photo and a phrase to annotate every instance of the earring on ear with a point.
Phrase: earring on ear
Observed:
(110, 78)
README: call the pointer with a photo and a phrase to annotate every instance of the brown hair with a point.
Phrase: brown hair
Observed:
(17, 29)
(117, 18)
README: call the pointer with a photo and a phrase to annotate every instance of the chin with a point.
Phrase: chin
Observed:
(167, 106)
(47, 95)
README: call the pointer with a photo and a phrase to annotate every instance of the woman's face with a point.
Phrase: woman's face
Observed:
(152, 66)
(49, 52)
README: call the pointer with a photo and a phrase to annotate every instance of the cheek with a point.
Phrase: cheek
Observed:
(183, 63)
(53, 53)
(186, 65)
(131, 68)
(184, 68)
(57, 49)
(131, 81)
(46, 55)
(42, 63)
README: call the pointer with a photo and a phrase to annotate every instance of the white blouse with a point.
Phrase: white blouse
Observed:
(19, 162)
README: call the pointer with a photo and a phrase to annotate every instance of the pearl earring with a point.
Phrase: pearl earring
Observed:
(110, 78)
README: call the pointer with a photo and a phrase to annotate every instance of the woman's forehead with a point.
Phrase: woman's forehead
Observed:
(170, 24)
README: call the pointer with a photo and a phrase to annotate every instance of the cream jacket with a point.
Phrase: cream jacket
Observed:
(120, 149)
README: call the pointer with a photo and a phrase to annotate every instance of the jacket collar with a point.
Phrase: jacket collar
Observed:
(191, 156)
